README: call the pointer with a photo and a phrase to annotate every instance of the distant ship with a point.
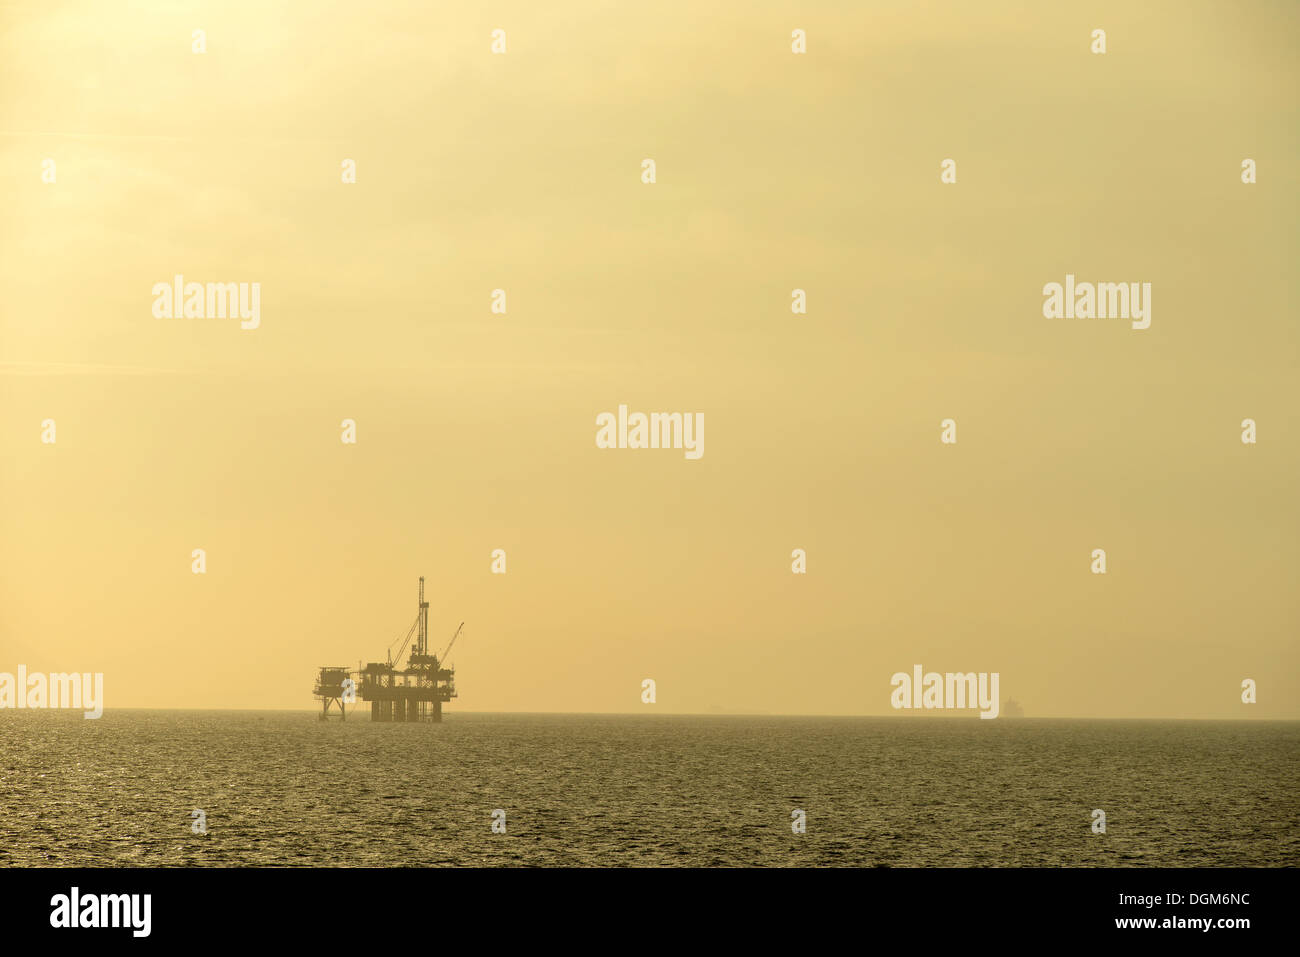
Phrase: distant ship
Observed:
(1011, 709)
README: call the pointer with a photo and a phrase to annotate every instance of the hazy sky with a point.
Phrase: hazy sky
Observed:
(476, 431)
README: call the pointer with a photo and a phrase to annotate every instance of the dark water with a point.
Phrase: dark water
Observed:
(282, 788)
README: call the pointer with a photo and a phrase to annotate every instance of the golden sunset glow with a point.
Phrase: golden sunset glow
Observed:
(476, 430)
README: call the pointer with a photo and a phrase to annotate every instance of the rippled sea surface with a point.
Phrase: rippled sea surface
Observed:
(282, 788)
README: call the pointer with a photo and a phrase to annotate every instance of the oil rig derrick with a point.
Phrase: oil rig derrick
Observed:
(415, 692)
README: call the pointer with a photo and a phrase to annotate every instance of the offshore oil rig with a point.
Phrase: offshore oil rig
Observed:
(412, 693)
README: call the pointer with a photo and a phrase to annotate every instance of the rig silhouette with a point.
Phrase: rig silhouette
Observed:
(413, 693)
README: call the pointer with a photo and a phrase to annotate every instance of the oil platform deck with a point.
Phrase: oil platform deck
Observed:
(415, 692)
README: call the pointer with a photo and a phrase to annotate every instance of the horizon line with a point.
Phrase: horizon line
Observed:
(973, 714)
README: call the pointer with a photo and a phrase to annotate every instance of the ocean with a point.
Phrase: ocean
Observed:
(285, 789)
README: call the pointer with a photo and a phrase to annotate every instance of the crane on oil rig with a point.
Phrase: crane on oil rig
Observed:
(414, 693)
(446, 651)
